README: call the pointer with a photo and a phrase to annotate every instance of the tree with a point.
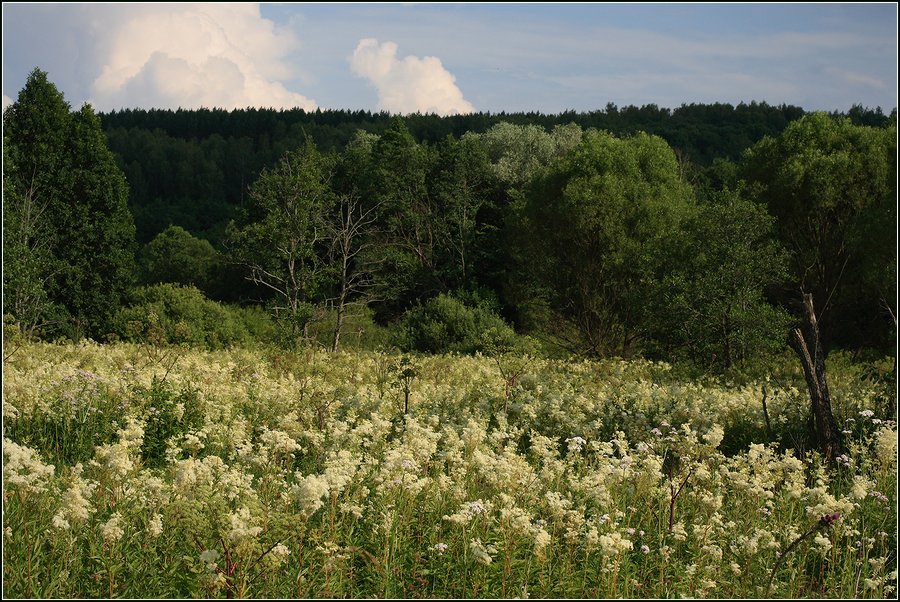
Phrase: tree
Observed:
(711, 304)
(588, 230)
(72, 234)
(280, 243)
(176, 256)
(96, 237)
(825, 179)
(34, 129)
(398, 184)
(350, 232)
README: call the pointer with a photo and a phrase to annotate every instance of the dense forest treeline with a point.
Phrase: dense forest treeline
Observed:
(675, 234)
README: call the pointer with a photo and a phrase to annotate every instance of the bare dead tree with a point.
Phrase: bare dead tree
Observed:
(350, 241)
(806, 342)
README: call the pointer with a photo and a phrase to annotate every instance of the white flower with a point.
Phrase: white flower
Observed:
(112, 530)
(575, 444)
(715, 435)
(59, 522)
(24, 469)
(867, 413)
(440, 547)
(309, 492)
(209, 558)
(155, 526)
(278, 554)
(482, 553)
(823, 542)
(541, 540)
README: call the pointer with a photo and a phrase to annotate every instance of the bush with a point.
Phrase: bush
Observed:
(445, 324)
(359, 332)
(172, 314)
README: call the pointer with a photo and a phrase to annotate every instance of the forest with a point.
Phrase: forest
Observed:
(683, 235)
(278, 354)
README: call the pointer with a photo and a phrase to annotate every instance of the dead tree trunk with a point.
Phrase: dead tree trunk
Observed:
(806, 343)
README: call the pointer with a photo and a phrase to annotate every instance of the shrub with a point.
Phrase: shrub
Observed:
(172, 314)
(444, 324)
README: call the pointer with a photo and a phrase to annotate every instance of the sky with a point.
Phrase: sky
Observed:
(449, 58)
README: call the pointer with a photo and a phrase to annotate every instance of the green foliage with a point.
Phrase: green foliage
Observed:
(168, 314)
(832, 186)
(445, 324)
(72, 244)
(710, 306)
(278, 244)
(169, 415)
(588, 233)
(175, 256)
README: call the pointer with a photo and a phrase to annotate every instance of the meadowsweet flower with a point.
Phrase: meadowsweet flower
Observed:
(871, 583)
(867, 413)
(440, 547)
(24, 469)
(541, 541)
(645, 549)
(614, 544)
(209, 558)
(243, 532)
(340, 468)
(575, 444)
(277, 555)
(886, 446)
(112, 530)
(60, 523)
(309, 491)
(482, 553)
(823, 542)
(155, 526)
(715, 435)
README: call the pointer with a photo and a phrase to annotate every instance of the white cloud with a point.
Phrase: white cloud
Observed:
(408, 85)
(190, 56)
(6, 101)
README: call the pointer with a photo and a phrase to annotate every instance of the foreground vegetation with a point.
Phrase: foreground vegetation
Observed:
(144, 471)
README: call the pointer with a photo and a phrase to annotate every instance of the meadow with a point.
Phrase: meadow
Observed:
(136, 471)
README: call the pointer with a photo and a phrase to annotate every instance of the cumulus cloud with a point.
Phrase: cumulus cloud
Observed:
(190, 56)
(6, 101)
(410, 84)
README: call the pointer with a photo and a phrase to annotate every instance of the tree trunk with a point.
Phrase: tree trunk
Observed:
(336, 341)
(806, 343)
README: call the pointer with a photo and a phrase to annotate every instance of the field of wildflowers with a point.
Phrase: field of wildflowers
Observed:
(133, 472)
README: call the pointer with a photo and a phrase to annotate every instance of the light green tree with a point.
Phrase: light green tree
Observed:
(281, 242)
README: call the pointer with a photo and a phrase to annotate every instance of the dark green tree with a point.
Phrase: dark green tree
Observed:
(71, 203)
(176, 256)
(831, 185)
(588, 233)
(710, 306)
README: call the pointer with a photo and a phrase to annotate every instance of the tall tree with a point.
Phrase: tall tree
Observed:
(96, 237)
(280, 244)
(69, 208)
(825, 179)
(588, 232)
(710, 305)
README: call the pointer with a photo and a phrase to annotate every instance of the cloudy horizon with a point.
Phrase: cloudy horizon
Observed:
(449, 59)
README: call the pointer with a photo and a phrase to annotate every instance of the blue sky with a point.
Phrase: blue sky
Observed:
(455, 58)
